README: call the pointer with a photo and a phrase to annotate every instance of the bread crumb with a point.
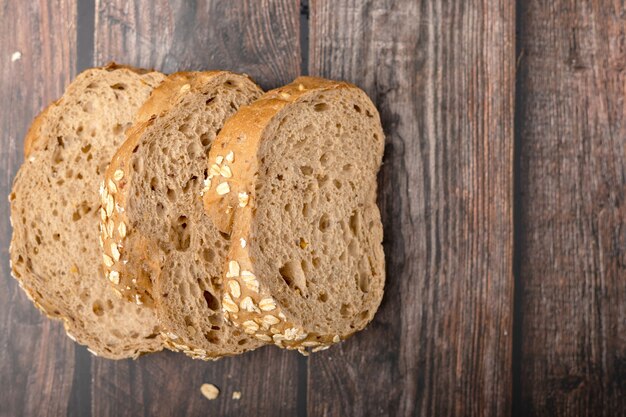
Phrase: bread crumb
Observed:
(16, 56)
(236, 395)
(210, 391)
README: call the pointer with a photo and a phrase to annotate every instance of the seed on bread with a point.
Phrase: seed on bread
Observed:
(223, 188)
(267, 304)
(114, 277)
(233, 269)
(243, 199)
(112, 186)
(235, 289)
(118, 175)
(242, 242)
(229, 305)
(219, 159)
(121, 229)
(225, 171)
(115, 253)
(263, 337)
(107, 260)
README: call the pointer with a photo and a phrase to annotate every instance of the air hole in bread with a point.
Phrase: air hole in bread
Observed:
(242, 342)
(209, 100)
(347, 168)
(97, 309)
(288, 207)
(56, 156)
(208, 254)
(369, 114)
(346, 310)
(212, 302)
(119, 86)
(306, 210)
(323, 297)
(212, 337)
(337, 184)
(179, 234)
(233, 106)
(224, 235)
(118, 129)
(306, 170)
(293, 275)
(171, 195)
(154, 183)
(355, 223)
(56, 236)
(324, 222)
(205, 139)
(357, 108)
(160, 209)
(185, 129)
(364, 276)
(319, 107)
(321, 180)
(353, 248)
(190, 182)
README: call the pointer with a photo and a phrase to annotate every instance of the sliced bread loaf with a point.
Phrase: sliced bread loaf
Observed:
(306, 264)
(54, 251)
(160, 249)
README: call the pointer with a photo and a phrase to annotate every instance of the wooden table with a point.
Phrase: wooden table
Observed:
(503, 195)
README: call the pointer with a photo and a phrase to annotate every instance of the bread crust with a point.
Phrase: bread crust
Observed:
(250, 305)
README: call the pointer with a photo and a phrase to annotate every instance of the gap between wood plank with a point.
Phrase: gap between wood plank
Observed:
(518, 230)
(80, 395)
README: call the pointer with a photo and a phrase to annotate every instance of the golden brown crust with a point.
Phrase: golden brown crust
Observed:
(230, 202)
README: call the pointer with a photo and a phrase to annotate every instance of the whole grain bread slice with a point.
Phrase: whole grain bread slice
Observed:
(54, 251)
(160, 249)
(306, 264)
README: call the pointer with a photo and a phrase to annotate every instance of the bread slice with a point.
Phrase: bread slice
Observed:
(306, 266)
(160, 249)
(54, 210)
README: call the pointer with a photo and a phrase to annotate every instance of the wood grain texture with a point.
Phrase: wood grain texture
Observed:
(572, 184)
(37, 58)
(257, 37)
(442, 76)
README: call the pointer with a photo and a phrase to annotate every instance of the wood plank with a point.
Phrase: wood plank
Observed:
(37, 60)
(442, 76)
(572, 185)
(259, 38)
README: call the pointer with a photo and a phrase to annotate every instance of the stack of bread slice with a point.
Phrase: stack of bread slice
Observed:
(197, 213)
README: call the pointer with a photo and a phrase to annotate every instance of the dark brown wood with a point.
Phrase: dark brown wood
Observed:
(259, 38)
(37, 58)
(572, 211)
(442, 76)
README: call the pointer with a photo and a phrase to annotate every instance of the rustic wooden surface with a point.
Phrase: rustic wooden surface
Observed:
(446, 199)
(572, 208)
(468, 326)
